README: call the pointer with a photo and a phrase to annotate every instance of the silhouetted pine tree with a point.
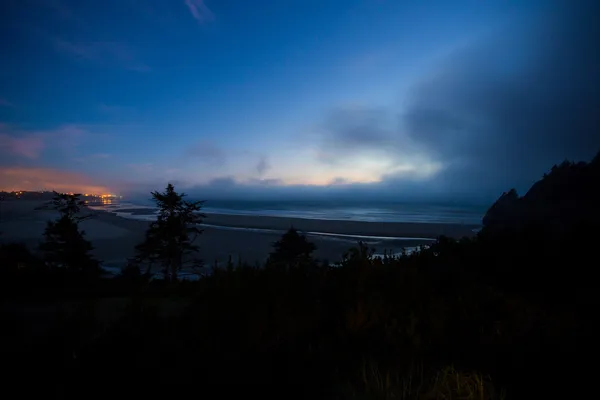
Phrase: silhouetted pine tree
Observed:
(65, 245)
(170, 239)
(292, 250)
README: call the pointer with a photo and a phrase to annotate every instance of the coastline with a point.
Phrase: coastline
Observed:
(247, 237)
(251, 239)
(408, 230)
(414, 230)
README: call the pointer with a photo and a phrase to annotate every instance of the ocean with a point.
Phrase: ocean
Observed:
(323, 210)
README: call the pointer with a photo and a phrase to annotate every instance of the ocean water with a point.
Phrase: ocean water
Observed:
(354, 211)
(351, 211)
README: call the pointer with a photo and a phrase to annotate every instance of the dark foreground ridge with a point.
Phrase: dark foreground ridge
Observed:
(510, 313)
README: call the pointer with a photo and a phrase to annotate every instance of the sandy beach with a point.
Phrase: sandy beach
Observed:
(380, 229)
(245, 236)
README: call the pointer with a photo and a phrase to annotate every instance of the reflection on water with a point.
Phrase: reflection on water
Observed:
(100, 202)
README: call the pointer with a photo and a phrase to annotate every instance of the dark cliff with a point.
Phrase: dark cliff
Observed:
(566, 201)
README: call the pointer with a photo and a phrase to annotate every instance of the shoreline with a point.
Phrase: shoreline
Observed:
(371, 229)
(247, 237)
(391, 230)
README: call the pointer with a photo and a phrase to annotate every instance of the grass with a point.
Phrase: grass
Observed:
(445, 384)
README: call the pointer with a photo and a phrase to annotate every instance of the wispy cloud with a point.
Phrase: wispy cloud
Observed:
(113, 53)
(200, 11)
(31, 144)
(263, 165)
(24, 178)
(93, 157)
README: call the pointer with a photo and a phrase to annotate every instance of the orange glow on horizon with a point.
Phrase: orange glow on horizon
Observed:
(38, 179)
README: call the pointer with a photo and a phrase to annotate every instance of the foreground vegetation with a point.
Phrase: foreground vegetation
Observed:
(511, 313)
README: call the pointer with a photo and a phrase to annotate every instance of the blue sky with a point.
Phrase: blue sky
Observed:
(126, 95)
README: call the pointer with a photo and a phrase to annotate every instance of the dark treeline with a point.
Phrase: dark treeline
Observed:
(510, 313)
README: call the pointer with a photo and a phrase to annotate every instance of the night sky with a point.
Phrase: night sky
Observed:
(354, 98)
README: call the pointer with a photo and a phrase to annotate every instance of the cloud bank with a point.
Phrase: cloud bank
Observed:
(501, 113)
(489, 116)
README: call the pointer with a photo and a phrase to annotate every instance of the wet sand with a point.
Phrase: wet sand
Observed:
(245, 236)
(380, 229)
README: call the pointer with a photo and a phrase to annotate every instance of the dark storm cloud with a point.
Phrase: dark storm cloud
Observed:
(495, 114)
(501, 113)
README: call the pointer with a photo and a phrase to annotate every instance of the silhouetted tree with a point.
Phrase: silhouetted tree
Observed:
(131, 274)
(293, 249)
(357, 257)
(68, 205)
(170, 239)
(65, 245)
